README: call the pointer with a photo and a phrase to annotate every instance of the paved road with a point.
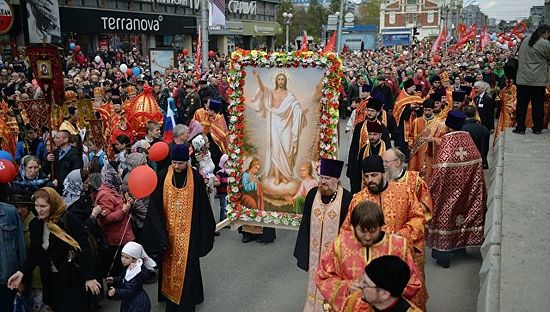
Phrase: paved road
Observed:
(256, 277)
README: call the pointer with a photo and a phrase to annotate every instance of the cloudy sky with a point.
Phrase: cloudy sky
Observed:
(506, 9)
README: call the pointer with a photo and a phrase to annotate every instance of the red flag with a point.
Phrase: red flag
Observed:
(483, 39)
(304, 47)
(330, 44)
(461, 29)
(440, 39)
(198, 56)
(470, 35)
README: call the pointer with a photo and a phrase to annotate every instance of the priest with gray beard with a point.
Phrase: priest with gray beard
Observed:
(396, 171)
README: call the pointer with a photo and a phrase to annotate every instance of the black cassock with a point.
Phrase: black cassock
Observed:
(481, 136)
(355, 156)
(155, 240)
(301, 250)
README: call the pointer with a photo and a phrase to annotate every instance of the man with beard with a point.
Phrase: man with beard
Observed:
(426, 135)
(341, 269)
(178, 230)
(440, 108)
(360, 142)
(405, 112)
(403, 212)
(459, 194)
(325, 209)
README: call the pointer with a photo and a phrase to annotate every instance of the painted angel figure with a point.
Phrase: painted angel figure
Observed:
(285, 121)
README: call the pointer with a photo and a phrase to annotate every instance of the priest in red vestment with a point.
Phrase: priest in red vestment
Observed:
(405, 111)
(341, 269)
(458, 192)
(403, 212)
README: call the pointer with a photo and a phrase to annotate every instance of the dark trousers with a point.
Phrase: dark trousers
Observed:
(6, 299)
(535, 95)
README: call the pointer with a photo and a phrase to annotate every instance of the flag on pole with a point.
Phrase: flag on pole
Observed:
(470, 35)
(330, 44)
(440, 39)
(216, 12)
(198, 55)
(169, 122)
(461, 29)
(304, 47)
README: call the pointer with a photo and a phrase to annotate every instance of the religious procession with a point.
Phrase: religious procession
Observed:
(306, 177)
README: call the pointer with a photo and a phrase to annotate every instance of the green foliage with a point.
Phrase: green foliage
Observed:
(369, 12)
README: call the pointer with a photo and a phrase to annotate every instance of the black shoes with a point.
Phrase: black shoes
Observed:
(443, 262)
(537, 132)
(247, 239)
(518, 131)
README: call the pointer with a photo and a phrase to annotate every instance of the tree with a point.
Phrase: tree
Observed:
(317, 16)
(334, 6)
(369, 12)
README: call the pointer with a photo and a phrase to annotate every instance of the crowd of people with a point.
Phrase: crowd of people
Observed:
(420, 130)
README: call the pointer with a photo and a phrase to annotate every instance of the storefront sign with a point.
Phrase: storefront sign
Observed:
(6, 16)
(241, 7)
(260, 28)
(103, 21)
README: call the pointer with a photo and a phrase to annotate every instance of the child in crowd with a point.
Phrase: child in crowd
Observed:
(221, 183)
(129, 286)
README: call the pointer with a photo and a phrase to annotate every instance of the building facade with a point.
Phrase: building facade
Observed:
(399, 18)
(139, 24)
(537, 15)
(472, 14)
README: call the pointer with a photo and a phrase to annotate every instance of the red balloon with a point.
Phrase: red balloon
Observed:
(129, 72)
(77, 48)
(158, 151)
(211, 54)
(185, 52)
(142, 181)
(437, 58)
(7, 171)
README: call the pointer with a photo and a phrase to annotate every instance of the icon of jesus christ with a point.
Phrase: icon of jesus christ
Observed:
(285, 121)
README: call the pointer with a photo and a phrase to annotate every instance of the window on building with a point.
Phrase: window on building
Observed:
(430, 17)
(411, 1)
(392, 17)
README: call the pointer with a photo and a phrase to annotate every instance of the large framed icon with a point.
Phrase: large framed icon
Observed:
(283, 116)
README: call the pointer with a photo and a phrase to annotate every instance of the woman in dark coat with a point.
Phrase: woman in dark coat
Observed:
(30, 177)
(60, 247)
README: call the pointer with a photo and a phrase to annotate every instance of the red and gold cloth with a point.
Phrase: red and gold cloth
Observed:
(38, 112)
(420, 188)
(203, 117)
(324, 227)
(458, 193)
(507, 119)
(142, 109)
(404, 99)
(178, 208)
(47, 54)
(345, 263)
(219, 132)
(404, 215)
(426, 136)
(96, 132)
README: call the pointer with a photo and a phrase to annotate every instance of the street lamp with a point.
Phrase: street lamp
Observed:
(287, 20)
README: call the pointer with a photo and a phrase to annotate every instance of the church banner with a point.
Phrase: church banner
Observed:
(283, 118)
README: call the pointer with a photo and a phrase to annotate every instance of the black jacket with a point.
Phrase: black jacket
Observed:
(70, 161)
(73, 276)
(481, 136)
(486, 109)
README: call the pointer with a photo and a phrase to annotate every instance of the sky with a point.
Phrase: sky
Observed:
(506, 9)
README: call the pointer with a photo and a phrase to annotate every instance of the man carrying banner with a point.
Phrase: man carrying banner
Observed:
(325, 209)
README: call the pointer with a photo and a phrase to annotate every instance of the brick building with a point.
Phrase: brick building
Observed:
(398, 18)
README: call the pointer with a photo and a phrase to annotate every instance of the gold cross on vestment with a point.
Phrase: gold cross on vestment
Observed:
(354, 269)
(461, 153)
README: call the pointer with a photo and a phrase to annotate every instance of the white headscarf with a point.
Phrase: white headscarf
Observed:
(136, 251)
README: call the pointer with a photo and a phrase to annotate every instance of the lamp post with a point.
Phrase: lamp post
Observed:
(340, 26)
(287, 20)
